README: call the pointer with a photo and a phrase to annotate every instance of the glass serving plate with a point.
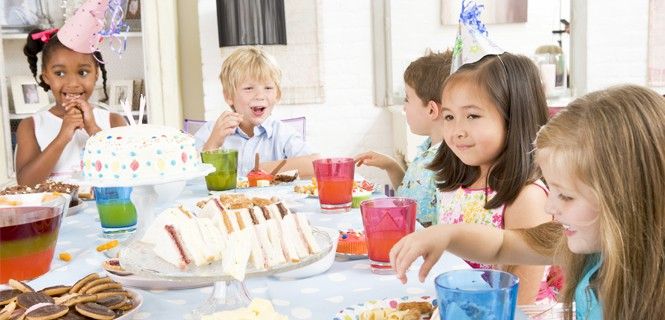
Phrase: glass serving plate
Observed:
(139, 258)
(228, 293)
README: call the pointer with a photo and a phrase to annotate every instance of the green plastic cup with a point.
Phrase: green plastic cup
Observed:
(226, 169)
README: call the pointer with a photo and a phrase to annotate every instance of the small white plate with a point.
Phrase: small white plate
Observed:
(77, 208)
(135, 281)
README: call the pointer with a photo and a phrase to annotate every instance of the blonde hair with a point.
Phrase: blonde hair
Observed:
(614, 142)
(249, 63)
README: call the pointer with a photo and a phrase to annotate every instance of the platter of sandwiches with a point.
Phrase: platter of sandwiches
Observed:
(228, 236)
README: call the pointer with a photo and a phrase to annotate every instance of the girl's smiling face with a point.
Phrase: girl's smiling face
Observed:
(71, 75)
(573, 204)
(473, 127)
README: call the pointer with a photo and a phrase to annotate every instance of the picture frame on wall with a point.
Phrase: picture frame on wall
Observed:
(133, 15)
(28, 96)
(121, 90)
(19, 15)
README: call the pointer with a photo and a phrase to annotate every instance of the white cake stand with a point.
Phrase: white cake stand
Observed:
(143, 194)
(228, 293)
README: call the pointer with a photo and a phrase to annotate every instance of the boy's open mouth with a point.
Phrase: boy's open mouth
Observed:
(258, 111)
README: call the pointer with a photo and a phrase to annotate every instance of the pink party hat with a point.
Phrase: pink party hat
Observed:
(471, 43)
(81, 32)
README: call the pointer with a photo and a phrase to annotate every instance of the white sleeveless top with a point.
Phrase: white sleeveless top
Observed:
(47, 127)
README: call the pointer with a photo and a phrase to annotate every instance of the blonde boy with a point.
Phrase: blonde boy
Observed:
(251, 85)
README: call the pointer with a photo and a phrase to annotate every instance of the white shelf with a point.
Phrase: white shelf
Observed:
(23, 35)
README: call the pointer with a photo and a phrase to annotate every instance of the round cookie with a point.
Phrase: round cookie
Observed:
(28, 299)
(55, 290)
(95, 311)
(6, 296)
(47, 312)
(79, 284)
(113, 302)
(20, 285)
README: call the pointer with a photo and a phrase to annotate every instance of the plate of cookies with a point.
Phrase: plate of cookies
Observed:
(91, 297)
(412, 308)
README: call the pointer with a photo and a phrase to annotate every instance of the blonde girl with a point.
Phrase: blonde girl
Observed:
(604, 160)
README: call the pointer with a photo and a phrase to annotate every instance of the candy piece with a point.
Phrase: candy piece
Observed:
(108, 245)
(65, 256)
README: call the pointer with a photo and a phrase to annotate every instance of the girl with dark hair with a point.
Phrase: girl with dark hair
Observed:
(492, 110)
(50, 143)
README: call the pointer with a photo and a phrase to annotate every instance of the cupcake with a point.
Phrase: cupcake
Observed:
(352, 242)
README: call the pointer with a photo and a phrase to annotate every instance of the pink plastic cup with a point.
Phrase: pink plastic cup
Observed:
(334, 180)
(386, 221)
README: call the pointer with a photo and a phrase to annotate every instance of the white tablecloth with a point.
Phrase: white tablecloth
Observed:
(346, 283)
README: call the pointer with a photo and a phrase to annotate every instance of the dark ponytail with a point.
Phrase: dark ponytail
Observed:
(33, 47)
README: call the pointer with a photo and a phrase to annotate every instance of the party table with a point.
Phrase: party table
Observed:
(346, 283)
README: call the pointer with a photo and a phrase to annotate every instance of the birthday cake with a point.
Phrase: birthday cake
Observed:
(139, 152)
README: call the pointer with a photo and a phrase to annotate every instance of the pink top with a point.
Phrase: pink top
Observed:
(467, 205)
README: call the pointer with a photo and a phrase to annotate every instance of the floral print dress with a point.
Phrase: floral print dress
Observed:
(467, 205)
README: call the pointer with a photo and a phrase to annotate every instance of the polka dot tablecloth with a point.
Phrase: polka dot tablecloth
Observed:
(346, 283)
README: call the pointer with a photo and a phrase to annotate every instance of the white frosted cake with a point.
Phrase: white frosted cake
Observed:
(139, 152)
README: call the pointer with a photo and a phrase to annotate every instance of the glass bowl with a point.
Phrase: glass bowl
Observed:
(29, 227)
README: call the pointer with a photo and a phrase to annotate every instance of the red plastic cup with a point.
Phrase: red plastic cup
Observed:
(386, 221)
(334, 179)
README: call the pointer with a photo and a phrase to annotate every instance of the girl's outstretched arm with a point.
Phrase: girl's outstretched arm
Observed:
(474, 242)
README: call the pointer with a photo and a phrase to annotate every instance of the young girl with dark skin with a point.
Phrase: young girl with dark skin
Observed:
(71, 76)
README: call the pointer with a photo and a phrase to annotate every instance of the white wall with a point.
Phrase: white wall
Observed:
(416, 25)
(616, 43)
(347, 122)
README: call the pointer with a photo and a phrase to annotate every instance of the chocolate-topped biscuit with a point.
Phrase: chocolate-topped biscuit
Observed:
(7, 310)
(47, 312)
(79, 284)
(113, 302)
(55, 291)
(73, 315)
(95, 311)
(20, 285)
(6, 296)
(28, 299)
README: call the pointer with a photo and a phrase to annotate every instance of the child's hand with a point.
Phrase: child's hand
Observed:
(89, 123)
(72, 121)
(374, 159)
(225, 126)
(426, 243)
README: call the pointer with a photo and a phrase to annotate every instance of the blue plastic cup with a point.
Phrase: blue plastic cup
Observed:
(477, 294)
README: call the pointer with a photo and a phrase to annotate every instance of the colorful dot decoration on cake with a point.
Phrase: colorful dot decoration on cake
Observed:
(140, 151)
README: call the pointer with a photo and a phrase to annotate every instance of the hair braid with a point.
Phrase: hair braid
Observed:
(102, 67)
(31, 49)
